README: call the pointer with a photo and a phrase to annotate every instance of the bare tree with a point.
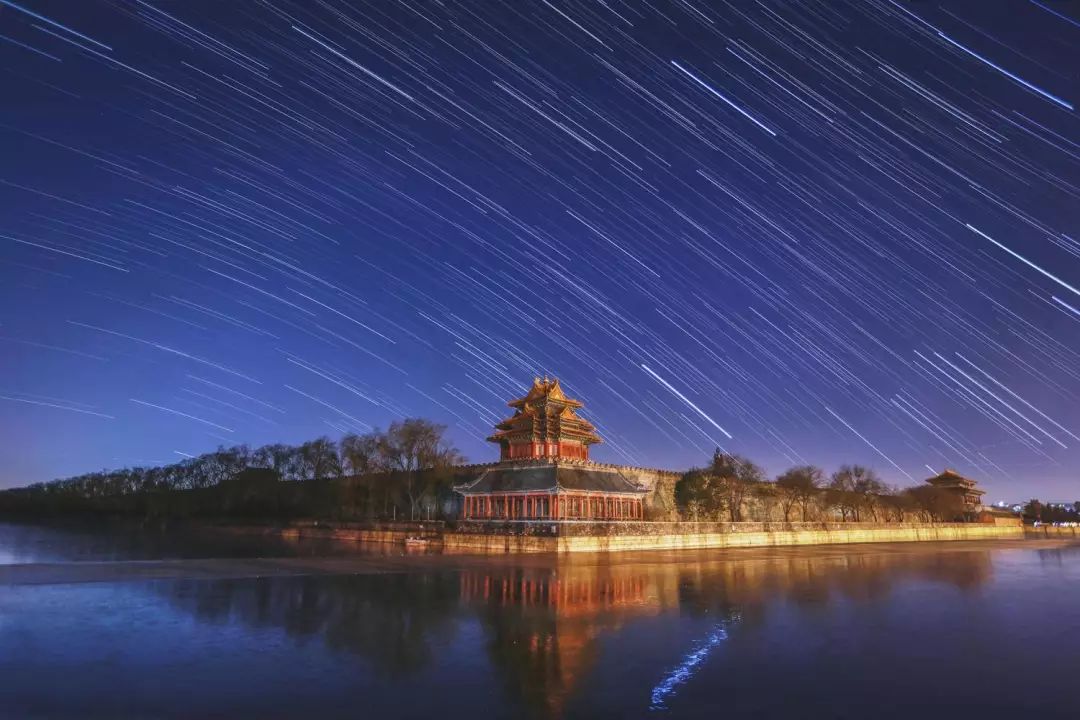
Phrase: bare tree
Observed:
(693, 496)
(797, 487)
(360, 453)
(932, 503)
(855, 489)
(277, 457)
(412, 446)
(319, 459)
(768, 497)
(361, 459)
(732, 478)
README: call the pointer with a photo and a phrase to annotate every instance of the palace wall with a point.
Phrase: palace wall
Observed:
(1051, 531)
(632, 536)
(586, 536)
(660, 501)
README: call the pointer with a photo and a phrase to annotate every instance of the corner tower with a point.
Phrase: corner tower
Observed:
(545, 426)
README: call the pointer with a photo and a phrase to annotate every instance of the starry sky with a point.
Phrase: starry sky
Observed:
(806, 231)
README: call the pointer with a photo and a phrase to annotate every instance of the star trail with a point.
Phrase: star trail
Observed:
(805, 232)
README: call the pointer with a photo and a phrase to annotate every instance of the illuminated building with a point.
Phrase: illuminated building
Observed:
(965, 496)
(544, 472)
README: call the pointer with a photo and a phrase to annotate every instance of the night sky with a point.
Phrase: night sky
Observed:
(805, 232)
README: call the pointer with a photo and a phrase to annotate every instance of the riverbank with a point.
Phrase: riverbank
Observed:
(591, 537)
(1052, 531)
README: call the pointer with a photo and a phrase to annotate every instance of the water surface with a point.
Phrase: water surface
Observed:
(107, 625)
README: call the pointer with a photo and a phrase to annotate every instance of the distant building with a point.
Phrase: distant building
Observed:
(544, 472)
(963, 494)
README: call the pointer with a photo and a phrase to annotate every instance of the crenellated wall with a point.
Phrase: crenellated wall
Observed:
(585, 536)
(623, 537)
(660, 502)
(1051, 531)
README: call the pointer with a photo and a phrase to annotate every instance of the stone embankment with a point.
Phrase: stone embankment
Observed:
(538, 537)
(1051, 531)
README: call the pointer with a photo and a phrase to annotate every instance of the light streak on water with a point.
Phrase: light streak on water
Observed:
(686, 669)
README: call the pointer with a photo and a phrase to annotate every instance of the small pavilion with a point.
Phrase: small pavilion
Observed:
(544, 471)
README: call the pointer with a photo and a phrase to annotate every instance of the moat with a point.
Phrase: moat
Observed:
(160, 625)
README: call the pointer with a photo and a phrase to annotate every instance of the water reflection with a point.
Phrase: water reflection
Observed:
(392, 620)
(544, 623)
(89, 541)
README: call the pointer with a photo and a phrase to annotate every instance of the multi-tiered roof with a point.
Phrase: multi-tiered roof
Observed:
(965, 493)
(545, 424)
(952, 480)
(544, 471)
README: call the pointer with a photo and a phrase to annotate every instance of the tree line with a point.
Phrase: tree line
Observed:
(403, 472)
(734, 489)
(1038, 511)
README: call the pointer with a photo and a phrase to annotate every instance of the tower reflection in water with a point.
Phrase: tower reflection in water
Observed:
(544, 621)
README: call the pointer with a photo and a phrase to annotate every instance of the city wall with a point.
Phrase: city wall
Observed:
(620, 537)
(566, 537)
(1051, 531)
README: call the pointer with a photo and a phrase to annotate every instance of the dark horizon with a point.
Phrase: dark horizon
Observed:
(834, 233)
